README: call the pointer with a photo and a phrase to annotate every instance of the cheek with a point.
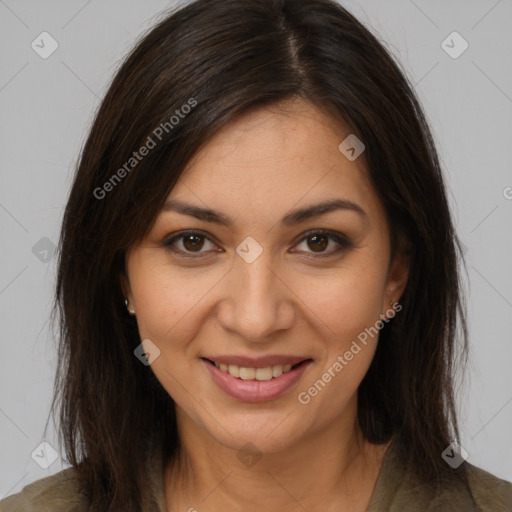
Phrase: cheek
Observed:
(345, 302)
(346, 311)
(168, 300)
(347, 306)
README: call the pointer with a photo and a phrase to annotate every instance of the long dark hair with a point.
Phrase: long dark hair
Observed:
(221, 58)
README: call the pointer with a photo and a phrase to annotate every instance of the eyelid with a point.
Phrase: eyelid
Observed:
(339, 238)
(169, 241)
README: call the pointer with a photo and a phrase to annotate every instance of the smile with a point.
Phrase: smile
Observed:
(256, 383)
(244, 373)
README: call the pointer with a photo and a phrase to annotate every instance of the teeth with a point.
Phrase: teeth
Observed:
(277, 371)
(263, 373)
(247, 373)
(234, 370)
(243, 373)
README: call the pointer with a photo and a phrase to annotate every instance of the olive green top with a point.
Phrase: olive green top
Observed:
(396, 490)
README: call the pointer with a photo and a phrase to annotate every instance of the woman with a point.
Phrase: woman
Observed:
(258, 285)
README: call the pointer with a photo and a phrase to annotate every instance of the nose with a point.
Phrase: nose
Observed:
(256, 303)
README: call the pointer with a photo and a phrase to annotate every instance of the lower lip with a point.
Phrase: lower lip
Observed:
(256, 390)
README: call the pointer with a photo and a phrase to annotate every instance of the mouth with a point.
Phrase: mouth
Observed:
(256, 380)
(260, 373)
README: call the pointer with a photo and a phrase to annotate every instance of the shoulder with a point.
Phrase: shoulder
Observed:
(490, 493)
(400, 487)
(483, 492)
(55, 493)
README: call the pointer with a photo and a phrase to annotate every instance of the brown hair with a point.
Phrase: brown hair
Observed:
(223, 58)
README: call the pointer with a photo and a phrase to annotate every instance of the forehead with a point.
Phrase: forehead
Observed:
(274, 158)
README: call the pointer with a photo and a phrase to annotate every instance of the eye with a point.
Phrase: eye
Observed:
(187, 243)
(194, 244)
(318, 241)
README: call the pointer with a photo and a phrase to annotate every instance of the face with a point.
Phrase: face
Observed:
(252, 293)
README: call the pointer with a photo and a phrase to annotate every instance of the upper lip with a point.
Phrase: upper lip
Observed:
(258, 362)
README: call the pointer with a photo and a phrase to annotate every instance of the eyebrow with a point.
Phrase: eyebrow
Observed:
(290, 219)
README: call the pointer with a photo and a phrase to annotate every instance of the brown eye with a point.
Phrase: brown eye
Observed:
(190, 244)
(315, 243)
(193, 242)
(318, 243)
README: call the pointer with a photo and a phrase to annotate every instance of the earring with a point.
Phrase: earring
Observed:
(130, 309)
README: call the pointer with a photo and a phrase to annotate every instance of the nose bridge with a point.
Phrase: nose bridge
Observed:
(257, 278)
(259, 304)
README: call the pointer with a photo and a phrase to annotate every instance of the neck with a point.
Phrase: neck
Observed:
(331, 469)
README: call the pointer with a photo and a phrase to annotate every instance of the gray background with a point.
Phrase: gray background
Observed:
(46, 107)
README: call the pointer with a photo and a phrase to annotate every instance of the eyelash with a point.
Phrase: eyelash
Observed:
(341, 240)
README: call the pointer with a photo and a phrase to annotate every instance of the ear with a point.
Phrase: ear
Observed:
(125, 287)
(398, 274)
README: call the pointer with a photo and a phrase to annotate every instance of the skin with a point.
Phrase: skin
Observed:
(256, 170)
